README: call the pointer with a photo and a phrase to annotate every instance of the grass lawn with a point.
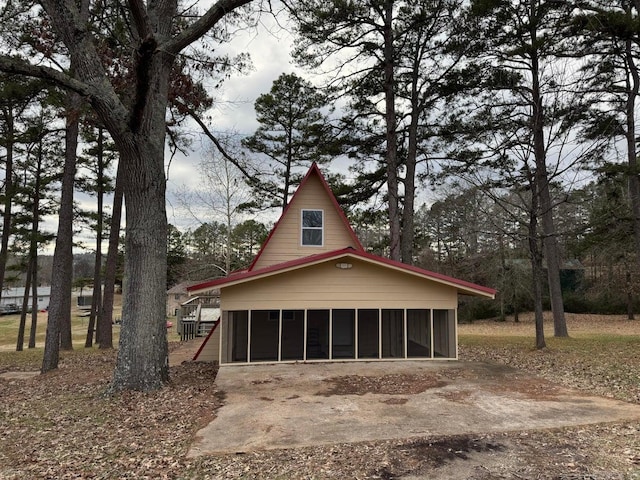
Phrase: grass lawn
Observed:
(79, 324)
(602, 353)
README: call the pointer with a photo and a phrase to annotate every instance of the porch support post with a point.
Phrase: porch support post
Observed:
(455, 327)
(380, 333)
(330, 334)
(279, 335)
(304, 347)
(355, 339)
(249, 336)
(432, 333)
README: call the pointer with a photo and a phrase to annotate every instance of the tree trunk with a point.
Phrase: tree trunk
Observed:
(391, 138)
(96, 300)
(537, 272)
(59, 315)
(538, 277)
(33, 245)
(629, 288)
(143, 355)
(34, 302)
(105, 331)
(143, 352)
(25, 307)
(632, 158)
(550, 243)
(8, 195)
(408, 210)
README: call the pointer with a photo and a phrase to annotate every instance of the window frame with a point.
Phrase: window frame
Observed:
(303, 228)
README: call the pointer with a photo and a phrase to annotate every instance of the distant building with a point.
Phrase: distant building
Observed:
(14, 296)
(178, 294)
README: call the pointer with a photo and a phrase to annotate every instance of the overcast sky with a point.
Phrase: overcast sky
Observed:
(269, 46)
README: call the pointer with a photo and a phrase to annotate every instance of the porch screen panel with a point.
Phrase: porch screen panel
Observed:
(343, 333)
(418, 333)
(264, 335)
(368, 335)
(237, 336)
(317, 334)
(393, 333)
(292, 340)
(444, 333)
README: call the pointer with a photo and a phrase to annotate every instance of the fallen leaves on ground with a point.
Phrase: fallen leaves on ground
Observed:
(62, 426)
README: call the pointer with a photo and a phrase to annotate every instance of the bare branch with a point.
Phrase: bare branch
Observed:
(199, 28)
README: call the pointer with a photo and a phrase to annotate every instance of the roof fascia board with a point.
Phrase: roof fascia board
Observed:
(460, 285)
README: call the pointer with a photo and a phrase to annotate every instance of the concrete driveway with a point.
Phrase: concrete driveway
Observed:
(295, 405)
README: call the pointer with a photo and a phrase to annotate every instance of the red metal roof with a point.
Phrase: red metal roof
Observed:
(313, 170)
(345, 252)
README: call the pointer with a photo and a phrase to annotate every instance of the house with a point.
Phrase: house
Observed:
(12, 298)
(176, 296)
(314, 294)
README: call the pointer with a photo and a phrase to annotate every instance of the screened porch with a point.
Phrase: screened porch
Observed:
(337, 334)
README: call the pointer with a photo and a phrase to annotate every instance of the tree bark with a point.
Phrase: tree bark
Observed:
(143, 356)
(536, 267)
(105, 331)
(96, 300)
(550, 243)
(143, 352)
(25, 307)
(58, 334)
(34, 303)
(632, 156)
(8, 194)
(391, 155)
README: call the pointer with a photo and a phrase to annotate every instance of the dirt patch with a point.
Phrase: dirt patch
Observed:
(529, 387)
(394, 384)
(265, 381)
(395, 401)
(457, 396)
(18, 375)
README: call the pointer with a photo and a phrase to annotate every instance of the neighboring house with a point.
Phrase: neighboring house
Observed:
(14, 296)
(313, 293)
(176, 296)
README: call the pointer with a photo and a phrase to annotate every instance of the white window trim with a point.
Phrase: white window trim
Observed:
(302, 227)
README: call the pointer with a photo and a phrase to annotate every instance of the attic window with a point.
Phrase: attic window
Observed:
(312, 227)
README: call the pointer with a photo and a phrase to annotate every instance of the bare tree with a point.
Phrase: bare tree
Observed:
(218, 195)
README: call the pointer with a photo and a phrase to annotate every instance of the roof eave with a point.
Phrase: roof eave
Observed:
(463, 287)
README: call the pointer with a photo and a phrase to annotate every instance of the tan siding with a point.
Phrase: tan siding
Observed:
(211, 351)
(325, 286)
(284, 244)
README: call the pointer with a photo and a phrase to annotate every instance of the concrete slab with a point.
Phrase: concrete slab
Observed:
(296, 405)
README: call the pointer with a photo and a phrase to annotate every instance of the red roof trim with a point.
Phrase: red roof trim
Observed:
(313, 169)
(321, 257)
